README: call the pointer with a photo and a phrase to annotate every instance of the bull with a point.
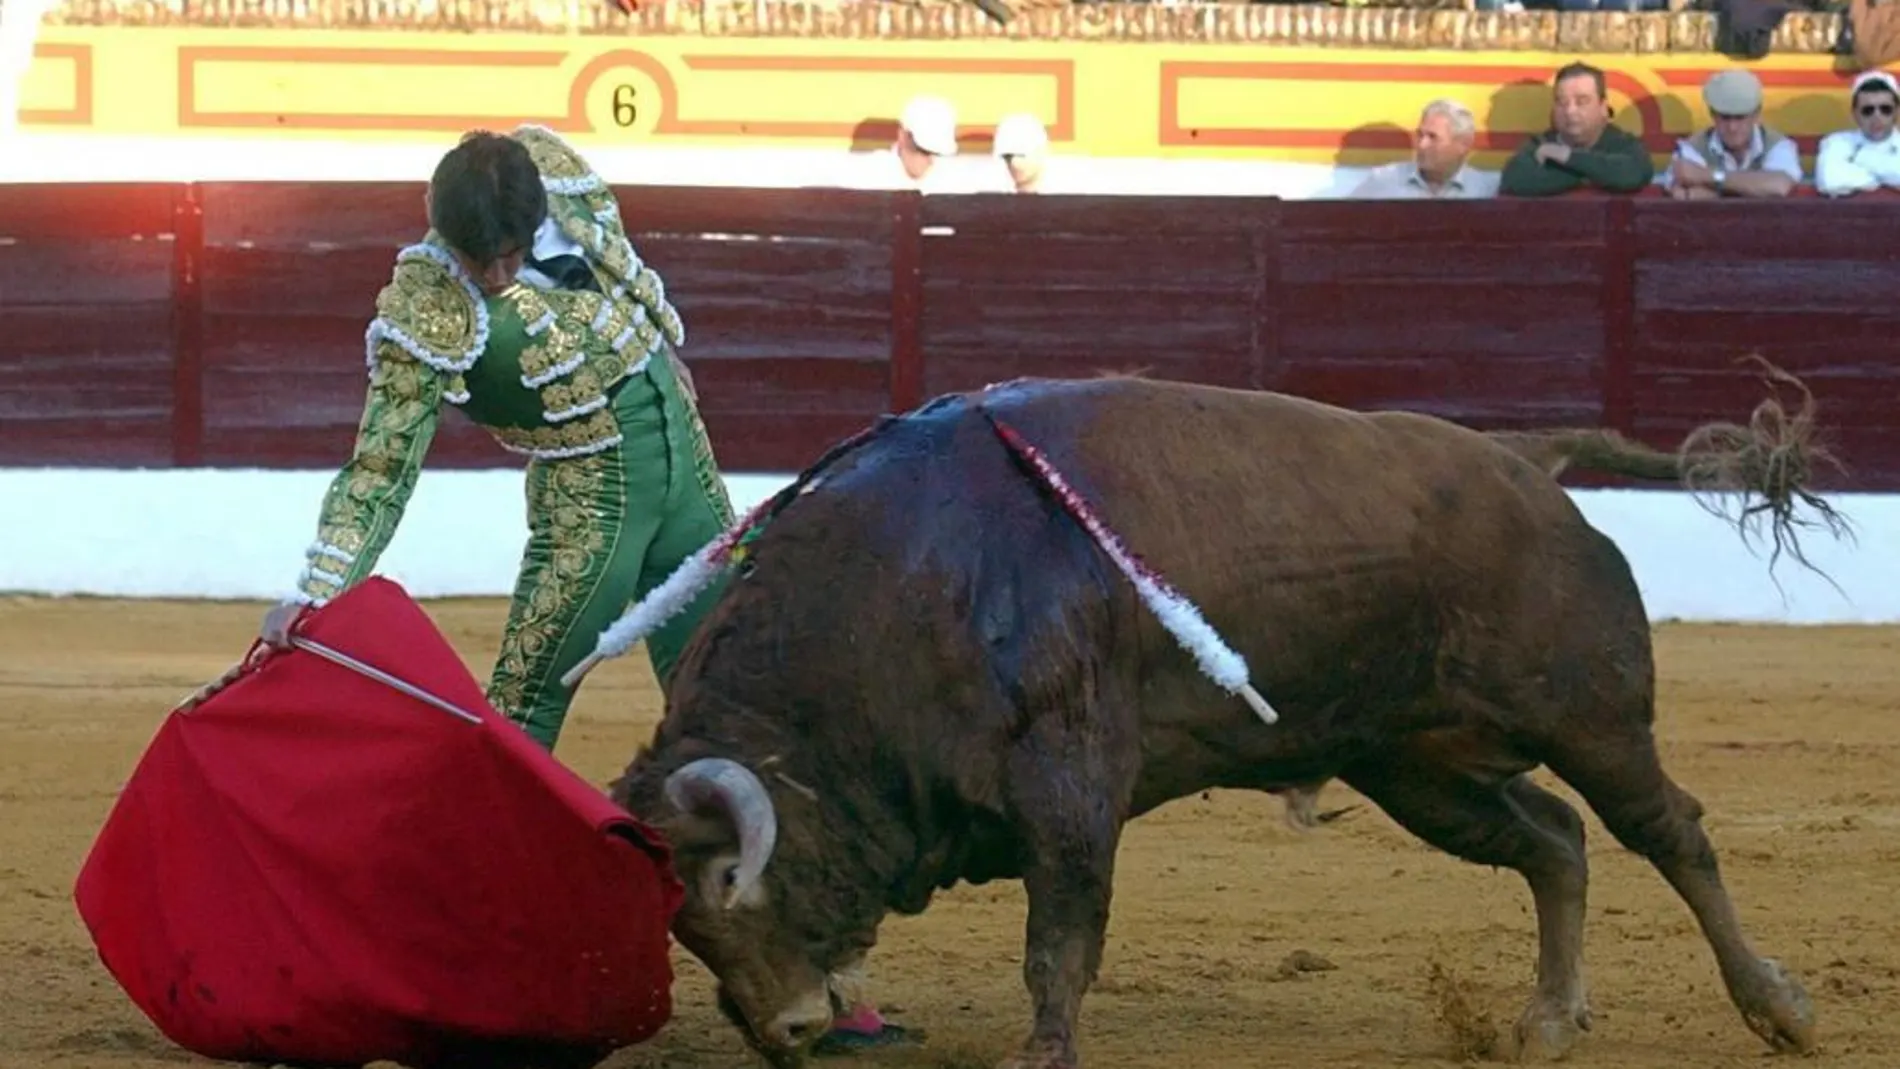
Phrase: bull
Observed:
(924, 671)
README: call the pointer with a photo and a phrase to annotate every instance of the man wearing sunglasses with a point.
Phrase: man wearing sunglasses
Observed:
(1866, 158)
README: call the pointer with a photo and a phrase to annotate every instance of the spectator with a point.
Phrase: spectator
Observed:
(1867, 157)
(1581, 148)
(1446, 133)
(926, 134)
(1737, 156)
(1023, 146)
(918, 156)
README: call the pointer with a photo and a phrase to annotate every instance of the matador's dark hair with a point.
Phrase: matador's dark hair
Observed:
(486, 197)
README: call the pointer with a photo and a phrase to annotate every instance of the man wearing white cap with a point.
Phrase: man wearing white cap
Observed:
(926, 133)
(1736, 156)
(1867, 157)
(1023, 145)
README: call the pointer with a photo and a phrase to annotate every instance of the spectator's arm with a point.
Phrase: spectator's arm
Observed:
(1625, 167)
(1835, 172)
(1525, 175)
(1885, 168)
(1780, 173)
(1686, 159)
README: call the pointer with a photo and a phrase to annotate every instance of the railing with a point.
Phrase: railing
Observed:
(222, 324)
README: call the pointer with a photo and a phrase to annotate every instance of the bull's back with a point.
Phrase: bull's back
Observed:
(1328, 547)
(1334, 549)
(1312, 536)
(1232, 488)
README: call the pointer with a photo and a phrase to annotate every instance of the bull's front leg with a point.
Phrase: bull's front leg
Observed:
(1073, 830)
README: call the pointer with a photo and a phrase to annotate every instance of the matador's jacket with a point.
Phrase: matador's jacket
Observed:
(579, 376)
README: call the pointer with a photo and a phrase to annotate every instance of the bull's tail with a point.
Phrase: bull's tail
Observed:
(1588, 449)
(1767, 464)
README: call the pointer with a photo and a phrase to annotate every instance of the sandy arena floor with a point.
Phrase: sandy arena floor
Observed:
(1794, 760)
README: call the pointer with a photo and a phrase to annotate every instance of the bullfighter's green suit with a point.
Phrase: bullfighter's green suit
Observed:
(621, 484)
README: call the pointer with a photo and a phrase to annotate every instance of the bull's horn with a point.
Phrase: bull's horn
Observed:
(718, 782)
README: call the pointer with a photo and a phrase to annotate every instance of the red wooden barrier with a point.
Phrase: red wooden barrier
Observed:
(89, 325)
(223, 324)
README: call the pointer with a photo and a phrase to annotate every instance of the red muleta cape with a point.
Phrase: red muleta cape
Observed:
(311, 866)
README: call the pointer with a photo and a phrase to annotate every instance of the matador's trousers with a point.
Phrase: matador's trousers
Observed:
(603, 530)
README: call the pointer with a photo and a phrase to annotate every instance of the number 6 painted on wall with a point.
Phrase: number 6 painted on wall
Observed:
(625, 111)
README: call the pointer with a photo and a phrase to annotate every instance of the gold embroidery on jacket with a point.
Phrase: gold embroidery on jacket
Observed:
(366, 499)
(593, 432)
(574, 506)
(431, 310)
(584, 345)
(706, 467)
(586, 209)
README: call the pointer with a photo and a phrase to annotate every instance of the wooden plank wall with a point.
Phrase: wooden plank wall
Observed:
(223, 324)
(787, 300)
(1813, 286)
(1489, 314)
(87, 352)
(287, 286)
(1077, 286)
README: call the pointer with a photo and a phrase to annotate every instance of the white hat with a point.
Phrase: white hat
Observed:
(1732, 92)
(932, 123)
(1885, 80)
(1020, 135)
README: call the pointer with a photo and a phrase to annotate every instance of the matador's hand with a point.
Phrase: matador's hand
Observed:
(276, 629)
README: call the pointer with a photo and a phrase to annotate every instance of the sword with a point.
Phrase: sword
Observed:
(335, 657)
(380, 676)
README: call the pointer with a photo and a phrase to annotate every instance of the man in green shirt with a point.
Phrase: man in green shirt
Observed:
(1581, 149)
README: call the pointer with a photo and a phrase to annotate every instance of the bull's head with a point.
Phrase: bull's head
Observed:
(741, 918)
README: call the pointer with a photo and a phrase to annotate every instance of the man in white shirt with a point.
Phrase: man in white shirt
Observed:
(926, 135)
(1736, 156)
(1437, 170)
(1022, 143)
(916, 158)
(1867, 157)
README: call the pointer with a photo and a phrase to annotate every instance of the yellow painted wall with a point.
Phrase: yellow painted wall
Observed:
(1153, 100)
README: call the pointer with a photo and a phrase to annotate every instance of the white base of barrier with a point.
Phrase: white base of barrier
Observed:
(240, 534)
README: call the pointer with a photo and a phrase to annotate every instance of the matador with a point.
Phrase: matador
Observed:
(526, 307)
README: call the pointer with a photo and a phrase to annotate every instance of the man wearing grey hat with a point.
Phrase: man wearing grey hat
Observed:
(1866, 158)
(1736, 156)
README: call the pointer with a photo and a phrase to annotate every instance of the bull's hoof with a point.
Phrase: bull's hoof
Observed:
(1549, 1031)
(1302, 808)
(1035, 1055)
(1779, 1010)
